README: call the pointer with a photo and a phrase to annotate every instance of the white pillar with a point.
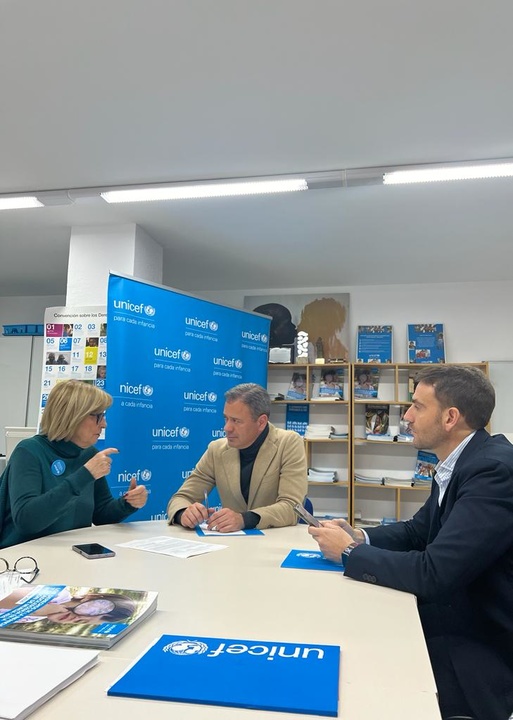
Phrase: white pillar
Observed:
(96, 251)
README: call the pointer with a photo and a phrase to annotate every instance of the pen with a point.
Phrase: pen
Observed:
(206, 500)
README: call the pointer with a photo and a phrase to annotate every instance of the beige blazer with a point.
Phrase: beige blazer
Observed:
(278, 480)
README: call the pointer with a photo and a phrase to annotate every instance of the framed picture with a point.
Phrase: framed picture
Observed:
(323, 318)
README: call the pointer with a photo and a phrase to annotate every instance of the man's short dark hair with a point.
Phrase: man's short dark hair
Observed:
(254, 396)
(463, 387)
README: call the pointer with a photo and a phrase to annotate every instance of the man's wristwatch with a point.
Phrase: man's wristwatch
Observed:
(347, 552)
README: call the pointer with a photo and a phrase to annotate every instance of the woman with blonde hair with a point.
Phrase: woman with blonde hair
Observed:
(55, 481)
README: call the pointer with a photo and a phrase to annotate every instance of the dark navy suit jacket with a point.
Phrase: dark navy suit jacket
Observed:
(457, 559)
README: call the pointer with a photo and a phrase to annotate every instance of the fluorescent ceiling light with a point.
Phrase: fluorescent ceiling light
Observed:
(203, 190)
(13, 203)
(439, 174)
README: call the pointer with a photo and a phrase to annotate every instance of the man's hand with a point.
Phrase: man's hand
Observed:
(137, 495)
(225, 521)
(355, 533)
(332, 540)
(194, 515)
(99, 464)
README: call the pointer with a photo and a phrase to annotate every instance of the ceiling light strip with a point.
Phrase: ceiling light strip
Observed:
(16, 203)
(205, 190)
(440, 174)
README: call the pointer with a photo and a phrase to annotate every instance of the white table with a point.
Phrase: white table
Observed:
(241, 592)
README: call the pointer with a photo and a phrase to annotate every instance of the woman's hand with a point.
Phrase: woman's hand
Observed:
(99, 464)
(136, 495)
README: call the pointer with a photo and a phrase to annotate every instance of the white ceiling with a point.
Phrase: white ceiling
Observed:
(109, 92)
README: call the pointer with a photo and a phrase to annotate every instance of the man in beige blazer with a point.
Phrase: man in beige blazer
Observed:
(259, 470)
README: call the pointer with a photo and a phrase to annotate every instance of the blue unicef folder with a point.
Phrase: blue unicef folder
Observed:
(256, 674)
(310, 560)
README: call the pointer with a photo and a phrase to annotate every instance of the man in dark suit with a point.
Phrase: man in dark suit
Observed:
(456, 554)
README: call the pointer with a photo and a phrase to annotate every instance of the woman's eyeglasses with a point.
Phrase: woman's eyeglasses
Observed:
(99, 417)
(25, 567)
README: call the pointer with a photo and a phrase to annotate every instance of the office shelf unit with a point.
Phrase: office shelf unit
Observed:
(328, 498)
(395, 461)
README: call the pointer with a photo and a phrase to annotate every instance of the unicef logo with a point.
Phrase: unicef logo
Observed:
(149, 310)
(186, 647)
(58, 467)
(184, 432)
(212, 396)
(146, 475)
(309, 555)
(238, 364)
(213, 325)
(264, 337)
(186, 355)
(147, 390)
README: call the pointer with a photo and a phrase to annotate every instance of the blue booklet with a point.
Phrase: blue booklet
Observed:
(310, 560)
(374, 344)
(426, 343)
(297, 418)
(255, 674)
(203, 533)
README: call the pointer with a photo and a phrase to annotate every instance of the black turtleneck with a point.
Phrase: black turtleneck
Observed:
(247, 460)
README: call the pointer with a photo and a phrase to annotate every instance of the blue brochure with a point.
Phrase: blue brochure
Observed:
(310, 560)
(256, 674)
(204, 533)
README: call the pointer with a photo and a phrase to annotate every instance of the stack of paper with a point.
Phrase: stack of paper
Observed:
(322, 475)
(32, 674)
(318, 432)
(402, 482)
(367, 479)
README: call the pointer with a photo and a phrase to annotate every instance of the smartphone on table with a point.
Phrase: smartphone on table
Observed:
(306, 516)
(93, 550)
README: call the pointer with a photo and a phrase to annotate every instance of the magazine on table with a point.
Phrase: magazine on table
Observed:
(95, 617)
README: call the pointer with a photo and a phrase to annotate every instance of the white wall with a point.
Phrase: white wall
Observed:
(477, 319)
(21, 361)
(477, 316)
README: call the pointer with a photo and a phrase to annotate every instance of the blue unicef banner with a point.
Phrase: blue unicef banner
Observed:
(171, 359)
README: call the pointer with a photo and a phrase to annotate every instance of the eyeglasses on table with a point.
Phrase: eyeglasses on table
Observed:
(25, 567)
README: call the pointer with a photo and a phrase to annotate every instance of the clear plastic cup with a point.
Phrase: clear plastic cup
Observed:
(9, 581)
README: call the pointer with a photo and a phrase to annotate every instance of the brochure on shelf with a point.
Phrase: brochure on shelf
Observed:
(426, 343)
(377, 418)
(331, 385)
(366, 382)
(425, 466)
(297, 418)
(297, 387)
(374, 344)
(222, 671)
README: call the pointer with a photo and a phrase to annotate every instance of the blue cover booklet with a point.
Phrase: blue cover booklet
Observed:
(310, 560)
(426, 343)
(374, 344)
(257, 674)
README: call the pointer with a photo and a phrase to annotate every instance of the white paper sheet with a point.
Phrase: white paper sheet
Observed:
(173, 546)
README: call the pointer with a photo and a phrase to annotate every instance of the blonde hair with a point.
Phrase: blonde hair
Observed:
(69, 402)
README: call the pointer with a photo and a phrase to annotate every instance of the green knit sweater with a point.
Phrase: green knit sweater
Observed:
(46, 489)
